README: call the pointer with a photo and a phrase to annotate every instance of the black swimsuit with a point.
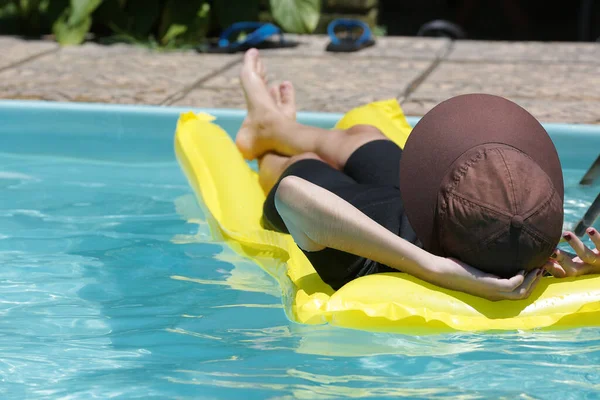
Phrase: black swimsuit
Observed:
(370, 182)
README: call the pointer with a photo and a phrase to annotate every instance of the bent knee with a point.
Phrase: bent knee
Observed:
(365, 133)
(303, 156)
(348, 141)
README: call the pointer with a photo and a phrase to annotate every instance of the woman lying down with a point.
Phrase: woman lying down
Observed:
(474, 201)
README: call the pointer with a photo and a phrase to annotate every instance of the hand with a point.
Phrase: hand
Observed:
(586, 262)
(462, 277)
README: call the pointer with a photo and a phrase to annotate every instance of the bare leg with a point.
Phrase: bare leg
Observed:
(268, 129)
(271, 165)
(270, 168)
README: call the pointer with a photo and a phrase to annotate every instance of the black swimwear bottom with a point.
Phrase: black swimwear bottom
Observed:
(370, 182)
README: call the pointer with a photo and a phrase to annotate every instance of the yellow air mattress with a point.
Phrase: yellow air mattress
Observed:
(230, 193)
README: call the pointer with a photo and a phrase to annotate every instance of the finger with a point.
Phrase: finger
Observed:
(529, 277)
(555, 269)
(594, 236)
(501, 284)
(523, 291)
(508, 285)
(534, 284)
(559, 256)
(533, 276)
(567, 263)
(586, 255)
(565, 259)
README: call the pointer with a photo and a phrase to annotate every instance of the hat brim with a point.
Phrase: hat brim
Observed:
(450, 129)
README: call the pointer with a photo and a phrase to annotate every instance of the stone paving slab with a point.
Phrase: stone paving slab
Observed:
(322, 84)
(555, 81)
(14, 50)
(396, 47)
(111, 74)
(576, 112)
(552, 82)
(533, 52)
(213, 98)
(554, 93)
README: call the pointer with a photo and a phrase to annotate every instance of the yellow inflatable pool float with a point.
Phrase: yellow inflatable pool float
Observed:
(230, 193)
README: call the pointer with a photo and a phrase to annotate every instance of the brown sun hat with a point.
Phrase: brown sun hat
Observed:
(481, 181)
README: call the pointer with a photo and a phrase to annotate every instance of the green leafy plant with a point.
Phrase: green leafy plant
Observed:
(184, 24)
(158, 23)
(297, 16)
(75, 21)
(20, 16)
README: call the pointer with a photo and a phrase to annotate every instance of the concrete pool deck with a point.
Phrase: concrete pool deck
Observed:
(557, 82)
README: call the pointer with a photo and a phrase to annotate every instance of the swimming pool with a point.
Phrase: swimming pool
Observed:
(112, 286)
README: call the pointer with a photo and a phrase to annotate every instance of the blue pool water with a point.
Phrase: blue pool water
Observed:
(111, 286)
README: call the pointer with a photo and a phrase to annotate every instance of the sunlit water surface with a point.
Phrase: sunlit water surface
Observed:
(110, 285)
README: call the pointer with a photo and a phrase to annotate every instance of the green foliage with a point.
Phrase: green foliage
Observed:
(74, 23)
(55, 8)
(162, 23)
(112, 14)
(81, 10)
(184, 23)
(380, 30)
(298, 16)
(10, 19)
(142, 16)
(14, 12)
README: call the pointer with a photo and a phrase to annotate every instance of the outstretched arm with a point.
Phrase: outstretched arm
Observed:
(317, 218)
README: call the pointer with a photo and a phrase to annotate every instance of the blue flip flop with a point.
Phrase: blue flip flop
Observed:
(343, 36)
(258, 35)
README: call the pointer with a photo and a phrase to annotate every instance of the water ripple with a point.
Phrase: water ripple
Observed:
(111, 286)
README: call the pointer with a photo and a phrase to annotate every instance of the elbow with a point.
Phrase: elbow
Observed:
(294, 204)
(289, 194)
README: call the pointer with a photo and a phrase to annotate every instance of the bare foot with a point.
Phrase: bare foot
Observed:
(271, 165)
(263, 111)
(284, 96)
(287, 104)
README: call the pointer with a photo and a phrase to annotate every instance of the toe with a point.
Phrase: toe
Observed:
(276, 94)
(251, 57)
(250, 61)
(260, 68)
(255, 89)
(252, 68)
(288, 98)
(288, 95)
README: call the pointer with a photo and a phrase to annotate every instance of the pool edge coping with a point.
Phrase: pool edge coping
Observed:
(224, 112)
